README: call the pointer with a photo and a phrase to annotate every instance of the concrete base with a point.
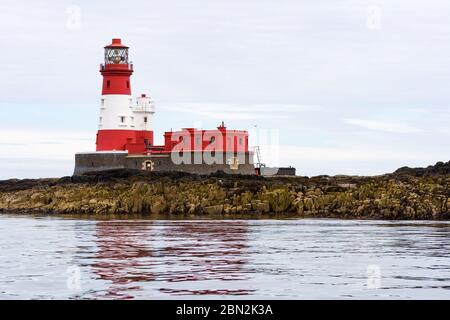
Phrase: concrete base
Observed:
(99, 161)
(277, 171)
(193, 162)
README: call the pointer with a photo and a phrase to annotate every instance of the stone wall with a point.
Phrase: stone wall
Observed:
(192, 162)
(99, 161)
(286, 171)
(277, 171)
(164, 162)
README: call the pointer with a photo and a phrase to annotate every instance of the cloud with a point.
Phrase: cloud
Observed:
(224, 111)
(51, 145)
(385, 126)
(301, 65)
(445, 131)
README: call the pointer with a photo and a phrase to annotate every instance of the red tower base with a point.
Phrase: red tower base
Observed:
(132, 140)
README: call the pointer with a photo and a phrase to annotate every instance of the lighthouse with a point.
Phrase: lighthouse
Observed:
(125, 132)
(122, 124)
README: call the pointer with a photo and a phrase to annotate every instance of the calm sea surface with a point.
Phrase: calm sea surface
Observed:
(59, 258)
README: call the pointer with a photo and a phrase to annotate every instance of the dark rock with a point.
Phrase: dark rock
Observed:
(421, 193)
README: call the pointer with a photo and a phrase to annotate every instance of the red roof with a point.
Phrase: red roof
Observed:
(116, 43)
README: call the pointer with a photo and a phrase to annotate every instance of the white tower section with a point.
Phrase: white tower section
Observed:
(116, 112)
(143, 113)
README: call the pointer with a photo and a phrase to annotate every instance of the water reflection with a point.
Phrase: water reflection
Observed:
(259, 259)
(123, 256)
(207, 251)
(133, 253)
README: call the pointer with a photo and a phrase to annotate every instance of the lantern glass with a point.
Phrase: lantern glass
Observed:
(116, 56)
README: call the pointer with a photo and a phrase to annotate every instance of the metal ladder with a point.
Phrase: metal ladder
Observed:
(259, 163)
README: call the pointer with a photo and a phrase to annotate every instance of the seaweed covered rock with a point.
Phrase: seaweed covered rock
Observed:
(423, 194)
(440, 168)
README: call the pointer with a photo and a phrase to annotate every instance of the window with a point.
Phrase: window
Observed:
(100, 120)
(145, 119)
(212, 139)
(132, 119)
(108, 84)
(103, 102)
(122, 119)
(116, 55)
(197, 141)
(240, 141)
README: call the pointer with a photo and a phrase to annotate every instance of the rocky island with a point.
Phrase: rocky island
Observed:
(408, 193)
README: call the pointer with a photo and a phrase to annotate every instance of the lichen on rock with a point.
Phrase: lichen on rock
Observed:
(401, 195)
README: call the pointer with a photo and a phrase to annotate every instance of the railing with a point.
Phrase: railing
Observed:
(130, 66)
(144, 109)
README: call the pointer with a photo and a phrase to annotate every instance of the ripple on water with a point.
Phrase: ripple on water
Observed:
(312, 258)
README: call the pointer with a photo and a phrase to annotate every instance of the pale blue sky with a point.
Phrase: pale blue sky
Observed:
(340, 87)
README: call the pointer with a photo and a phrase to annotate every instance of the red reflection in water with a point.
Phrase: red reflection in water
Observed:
(132, 253)
(123, 256)
(209, 250)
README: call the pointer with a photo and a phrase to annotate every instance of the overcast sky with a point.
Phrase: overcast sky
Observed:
(333, 87)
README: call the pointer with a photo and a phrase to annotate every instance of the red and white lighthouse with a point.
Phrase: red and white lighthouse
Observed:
(123, 125)
(125, 132)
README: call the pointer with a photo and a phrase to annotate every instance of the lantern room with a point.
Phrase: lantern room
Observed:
(116, 53)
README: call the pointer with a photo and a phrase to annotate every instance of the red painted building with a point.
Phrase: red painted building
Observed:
(220, 140)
